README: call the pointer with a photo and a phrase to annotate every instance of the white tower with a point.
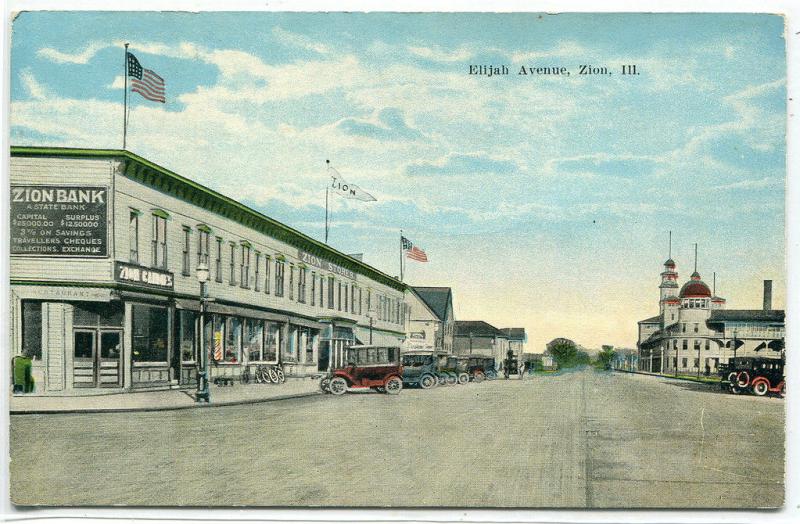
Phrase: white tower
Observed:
(669, 283)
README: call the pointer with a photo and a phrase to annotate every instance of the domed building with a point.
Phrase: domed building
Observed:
(694, 333)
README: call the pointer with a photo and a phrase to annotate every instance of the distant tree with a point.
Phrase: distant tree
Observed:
(565, 354)
(605, 357)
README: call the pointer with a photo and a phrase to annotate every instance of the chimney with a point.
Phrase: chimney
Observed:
(767, 295)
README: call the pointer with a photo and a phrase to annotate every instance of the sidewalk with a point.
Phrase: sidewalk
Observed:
(700, 379)
(163, 400)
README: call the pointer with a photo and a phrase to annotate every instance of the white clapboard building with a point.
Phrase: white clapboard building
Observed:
(105, 247)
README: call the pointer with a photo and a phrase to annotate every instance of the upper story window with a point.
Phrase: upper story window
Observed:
(257, 274)
(218, 261)
(339, 297)
(346, 293)
(245, 266)
(321, 290)
(331, 283)
(133, 236)
(301, 284)
(268, 261)
(313, 288)
(159, 243)
(233, 263)
(359, 301)
(185, 269)
(279, 267)
(291, 281)
(353, 298)
(203, 241)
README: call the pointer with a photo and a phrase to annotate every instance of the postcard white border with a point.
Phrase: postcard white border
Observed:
(791, 511)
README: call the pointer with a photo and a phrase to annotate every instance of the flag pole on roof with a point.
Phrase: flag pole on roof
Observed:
(328, 162)
(146, 82)
(340, 186)
(125, 104)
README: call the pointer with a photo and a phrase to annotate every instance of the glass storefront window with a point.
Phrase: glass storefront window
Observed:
(233, 340)
(253, 339)
(150, 333)
(32, 329)
(186, 334)
(291, 347)
(272, 341)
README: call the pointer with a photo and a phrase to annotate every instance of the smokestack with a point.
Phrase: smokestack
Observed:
(767, 295)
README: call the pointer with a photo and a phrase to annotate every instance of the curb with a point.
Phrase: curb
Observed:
(164, 408)
(671, 377)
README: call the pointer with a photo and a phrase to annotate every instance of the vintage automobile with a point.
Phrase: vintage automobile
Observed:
(447, 376)
(758, 375)
(481, 368)
(420, 368)
(457, 366)
(374, 367)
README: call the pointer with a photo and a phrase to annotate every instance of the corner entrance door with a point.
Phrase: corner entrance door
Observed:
(97, 358)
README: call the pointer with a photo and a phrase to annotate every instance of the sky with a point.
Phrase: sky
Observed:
(544, 202)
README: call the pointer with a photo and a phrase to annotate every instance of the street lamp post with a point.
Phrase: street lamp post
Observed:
(734, 344)
(203, 391)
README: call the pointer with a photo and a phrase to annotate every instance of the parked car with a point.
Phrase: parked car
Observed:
(420, 368)
(480, 368)
(758, 375)
(447, 374)
(375, 367)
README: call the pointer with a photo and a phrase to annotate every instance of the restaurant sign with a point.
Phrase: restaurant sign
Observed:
(59, 220)
(143, 276)
(313, 260)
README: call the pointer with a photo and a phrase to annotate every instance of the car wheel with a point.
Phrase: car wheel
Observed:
(325, 385)
(281, 375)
(782, 390)
(427, 382)
(394, 386)
(760, 387)
(441, 380)
(273, 375)
(451, 380)
(736, 390)
(491, 375)
(743, 379)
(479, 377)
(338, 386)
(463, 378)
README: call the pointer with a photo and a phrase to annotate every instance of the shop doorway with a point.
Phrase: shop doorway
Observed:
(97, 358)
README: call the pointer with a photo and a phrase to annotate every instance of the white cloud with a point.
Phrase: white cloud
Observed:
(80, 57)
(750, 184)
(118, 83)
(296, 40)
(36, 90)
(437, 54)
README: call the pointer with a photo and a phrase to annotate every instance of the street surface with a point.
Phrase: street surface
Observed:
(576, 440)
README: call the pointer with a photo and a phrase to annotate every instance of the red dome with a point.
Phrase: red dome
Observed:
(695, 289)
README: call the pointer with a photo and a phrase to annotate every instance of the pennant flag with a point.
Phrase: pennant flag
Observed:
(146, 82)
(412, 251)
(341, 187)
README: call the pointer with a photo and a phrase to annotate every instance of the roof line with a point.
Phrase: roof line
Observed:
(113, 153)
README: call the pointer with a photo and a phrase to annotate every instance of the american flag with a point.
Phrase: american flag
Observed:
(145, 82)
(412, 251)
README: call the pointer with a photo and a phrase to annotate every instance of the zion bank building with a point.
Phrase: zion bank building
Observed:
(104, 251)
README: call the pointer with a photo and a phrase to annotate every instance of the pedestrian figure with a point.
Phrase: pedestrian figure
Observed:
(521, 369)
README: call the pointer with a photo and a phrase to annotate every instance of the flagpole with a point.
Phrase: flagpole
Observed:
(328, 162)
(125, 105)
(401, 255)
